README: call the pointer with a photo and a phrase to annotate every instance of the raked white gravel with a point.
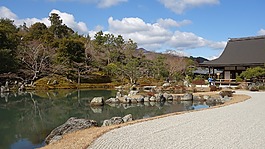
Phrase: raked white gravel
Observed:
(236, 126)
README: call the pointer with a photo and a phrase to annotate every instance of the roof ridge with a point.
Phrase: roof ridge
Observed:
(247, 38)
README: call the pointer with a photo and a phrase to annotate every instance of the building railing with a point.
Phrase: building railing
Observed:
(228, 82)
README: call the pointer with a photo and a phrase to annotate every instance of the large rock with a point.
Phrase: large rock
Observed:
(149, 88)
(213, 88)
(4, 89)
(212, 101)
(117, 120)
(129, 99)
(187, 97)
(226, 92)
(161, 98)
(243, 85)
(118, 95)
(158, 97)
(112, 121)
(97, 101)
(127, 118)
(146, 99)
(153, 99)
(253, 87)
(166, 85)
(225, 99)
(168, 96)
(112, 100)
(71, 125)
(123, 99)
(133, 92)
(137, 98)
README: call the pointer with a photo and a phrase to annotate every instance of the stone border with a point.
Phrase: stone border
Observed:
(84, 138)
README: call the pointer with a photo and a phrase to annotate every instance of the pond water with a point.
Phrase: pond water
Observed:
(27, 118)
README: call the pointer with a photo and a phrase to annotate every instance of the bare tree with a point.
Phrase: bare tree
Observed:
(176, 64)
(35, 58)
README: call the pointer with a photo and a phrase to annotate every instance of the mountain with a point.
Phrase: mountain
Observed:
(176, 53)
(198, 59)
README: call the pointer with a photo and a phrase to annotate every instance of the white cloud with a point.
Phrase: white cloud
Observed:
(157, 36)
(217, 45)
(214, 57)
(127, 25)
(186, 40)
(109, 3)
(68, 19)
(145, 34)
(172, 23)
(99, 3)
(6, 13)
(179, 6)
(261, 32)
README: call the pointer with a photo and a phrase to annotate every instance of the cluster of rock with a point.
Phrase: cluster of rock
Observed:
(73, 124)
(7, 88)
(133, 97)
(253, 87)
(213, 100)
(117, 120)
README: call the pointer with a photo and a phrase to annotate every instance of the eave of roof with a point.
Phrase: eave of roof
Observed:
(248, 51)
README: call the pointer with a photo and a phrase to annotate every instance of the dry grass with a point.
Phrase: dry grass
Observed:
(83, 138)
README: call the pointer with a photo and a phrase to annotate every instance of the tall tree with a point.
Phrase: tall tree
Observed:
(132, 70)
(9, 38)
(55, 19)
(9, 41)
(57, 28)
(71, 51)
(8, 61)
(37, 31)
(159, 67)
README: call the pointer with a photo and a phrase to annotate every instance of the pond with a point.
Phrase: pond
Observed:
(27, 118)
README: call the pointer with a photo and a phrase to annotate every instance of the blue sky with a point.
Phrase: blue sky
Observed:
(189, 27)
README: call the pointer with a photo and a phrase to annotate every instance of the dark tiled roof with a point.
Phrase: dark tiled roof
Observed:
(241, 52)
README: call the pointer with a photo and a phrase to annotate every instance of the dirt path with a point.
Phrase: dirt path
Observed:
(239, 125)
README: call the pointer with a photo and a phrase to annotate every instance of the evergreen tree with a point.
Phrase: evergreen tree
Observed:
(9, 41)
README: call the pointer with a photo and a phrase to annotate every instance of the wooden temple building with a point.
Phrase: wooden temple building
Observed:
(238, 55)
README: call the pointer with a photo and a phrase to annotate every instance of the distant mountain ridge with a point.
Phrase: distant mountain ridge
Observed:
(175, 53)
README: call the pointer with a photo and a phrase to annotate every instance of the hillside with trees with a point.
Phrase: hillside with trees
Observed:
(30, 53)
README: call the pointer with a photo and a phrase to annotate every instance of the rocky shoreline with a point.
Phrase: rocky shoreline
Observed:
(83, 138)
(68, 127)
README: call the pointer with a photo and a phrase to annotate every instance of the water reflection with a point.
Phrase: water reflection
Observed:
(28, 117)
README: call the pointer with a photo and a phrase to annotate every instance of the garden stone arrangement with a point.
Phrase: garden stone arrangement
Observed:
(74, 124)
(136, 97)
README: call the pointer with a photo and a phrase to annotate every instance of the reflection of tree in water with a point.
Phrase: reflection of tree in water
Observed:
(28, 117)
(33, 115)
